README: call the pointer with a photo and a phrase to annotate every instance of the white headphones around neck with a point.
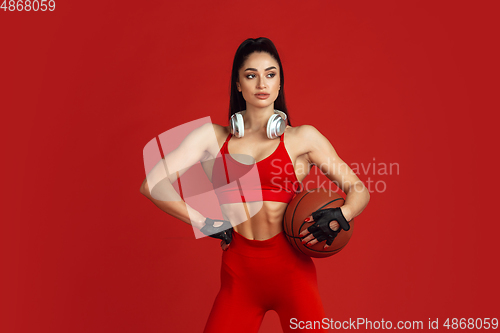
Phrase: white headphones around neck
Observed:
(275, 125)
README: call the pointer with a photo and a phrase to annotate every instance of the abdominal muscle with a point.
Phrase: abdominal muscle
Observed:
(266, 218)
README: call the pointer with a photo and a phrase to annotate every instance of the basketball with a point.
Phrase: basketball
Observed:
(302, 206)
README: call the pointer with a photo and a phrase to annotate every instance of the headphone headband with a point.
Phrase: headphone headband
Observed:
(275, 125)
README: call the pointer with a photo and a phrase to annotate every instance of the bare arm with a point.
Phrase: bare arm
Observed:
(323, 155)
(178, 209)
(192, 149)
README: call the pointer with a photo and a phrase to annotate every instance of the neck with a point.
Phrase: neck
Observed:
(255, 119)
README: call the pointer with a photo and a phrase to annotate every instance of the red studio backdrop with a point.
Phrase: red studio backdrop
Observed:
(405, 91)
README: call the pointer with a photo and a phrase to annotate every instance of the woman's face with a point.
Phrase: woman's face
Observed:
(259, 79)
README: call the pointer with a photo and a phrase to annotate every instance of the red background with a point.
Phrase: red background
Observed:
(85, 87)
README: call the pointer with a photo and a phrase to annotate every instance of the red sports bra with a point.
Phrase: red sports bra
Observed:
(271, 179)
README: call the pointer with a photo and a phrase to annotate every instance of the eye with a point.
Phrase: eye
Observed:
(251, 76)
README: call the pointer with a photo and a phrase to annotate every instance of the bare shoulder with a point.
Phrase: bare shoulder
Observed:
(200, 141)
(219, 128)
(221, 132)
(206, 131)
(308, 131)
(302, 132)
(305, 137)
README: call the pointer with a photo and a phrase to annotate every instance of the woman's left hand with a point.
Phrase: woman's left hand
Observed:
(328, 224)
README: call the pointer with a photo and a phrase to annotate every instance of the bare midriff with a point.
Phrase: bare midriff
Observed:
(266, 218)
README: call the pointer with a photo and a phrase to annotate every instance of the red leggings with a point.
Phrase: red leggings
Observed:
(257, 276)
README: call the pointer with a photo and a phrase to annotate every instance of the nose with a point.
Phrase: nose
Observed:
(261, 82)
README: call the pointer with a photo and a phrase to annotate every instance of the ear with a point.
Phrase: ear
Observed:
(238, 86)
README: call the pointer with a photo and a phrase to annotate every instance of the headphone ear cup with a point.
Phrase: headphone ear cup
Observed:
(275, 126)
(237, 125)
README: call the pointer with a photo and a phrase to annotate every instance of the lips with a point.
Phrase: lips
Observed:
(262, 96)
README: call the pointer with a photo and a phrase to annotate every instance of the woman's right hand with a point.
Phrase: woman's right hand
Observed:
(224, 232)
(224, 245)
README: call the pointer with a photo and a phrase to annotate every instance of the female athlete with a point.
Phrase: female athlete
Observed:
(260, 269)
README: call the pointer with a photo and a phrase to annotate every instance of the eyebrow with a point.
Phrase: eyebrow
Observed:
(255, 69)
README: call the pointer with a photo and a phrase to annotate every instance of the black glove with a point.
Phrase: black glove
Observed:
(224, 231)
(321, 228)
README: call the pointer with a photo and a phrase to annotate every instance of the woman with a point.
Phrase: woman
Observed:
(260, 270)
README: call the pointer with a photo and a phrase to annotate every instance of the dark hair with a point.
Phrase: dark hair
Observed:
(262, 44)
